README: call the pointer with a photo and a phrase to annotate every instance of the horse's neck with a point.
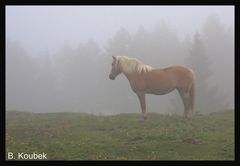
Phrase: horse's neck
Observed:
(127, 75)
(131, 77)
(126, 72)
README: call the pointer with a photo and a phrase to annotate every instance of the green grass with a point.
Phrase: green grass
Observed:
(78, 136)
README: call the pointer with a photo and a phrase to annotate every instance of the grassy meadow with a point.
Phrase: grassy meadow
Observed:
(79, 136)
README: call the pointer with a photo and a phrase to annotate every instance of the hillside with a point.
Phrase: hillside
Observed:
(78, 136)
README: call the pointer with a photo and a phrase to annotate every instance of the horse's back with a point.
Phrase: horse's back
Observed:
(160, 80)
(184, 75)
(178, 70)
(176, 73)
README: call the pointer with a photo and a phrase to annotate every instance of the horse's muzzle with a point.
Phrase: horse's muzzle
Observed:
(111, 77)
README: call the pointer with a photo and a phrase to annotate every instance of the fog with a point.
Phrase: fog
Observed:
(58, 58)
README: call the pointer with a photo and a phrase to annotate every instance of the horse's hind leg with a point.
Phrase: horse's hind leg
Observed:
(141, 97)
(186, 102)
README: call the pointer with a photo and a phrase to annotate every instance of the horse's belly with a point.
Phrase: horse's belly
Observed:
(159, 91)
(160, 83)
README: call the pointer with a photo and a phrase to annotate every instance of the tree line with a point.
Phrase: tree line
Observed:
(76, 79)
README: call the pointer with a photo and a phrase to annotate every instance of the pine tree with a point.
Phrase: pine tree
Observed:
(219, 44)
(21, 72)
(120, 43)
(207, 98)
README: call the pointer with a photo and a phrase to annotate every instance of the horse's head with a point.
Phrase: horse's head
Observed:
(115, 68)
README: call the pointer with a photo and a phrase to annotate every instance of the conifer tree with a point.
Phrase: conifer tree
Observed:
(207, 98)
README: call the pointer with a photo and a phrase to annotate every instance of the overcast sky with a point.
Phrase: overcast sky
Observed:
(48, 27)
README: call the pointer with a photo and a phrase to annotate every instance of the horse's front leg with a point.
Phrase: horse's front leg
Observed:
(141, 97)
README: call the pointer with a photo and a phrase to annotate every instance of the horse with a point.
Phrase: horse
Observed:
(145, 79)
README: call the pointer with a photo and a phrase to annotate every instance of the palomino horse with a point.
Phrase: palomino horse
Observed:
(145, 79)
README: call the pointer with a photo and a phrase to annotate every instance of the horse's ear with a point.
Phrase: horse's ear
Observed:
(114, 58)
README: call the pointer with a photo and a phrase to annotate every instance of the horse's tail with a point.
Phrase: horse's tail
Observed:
(192, 93)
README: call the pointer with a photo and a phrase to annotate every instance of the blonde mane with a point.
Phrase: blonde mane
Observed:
(132, 65)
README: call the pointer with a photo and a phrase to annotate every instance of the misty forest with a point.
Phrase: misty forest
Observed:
(60, 100)
(75, 79)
